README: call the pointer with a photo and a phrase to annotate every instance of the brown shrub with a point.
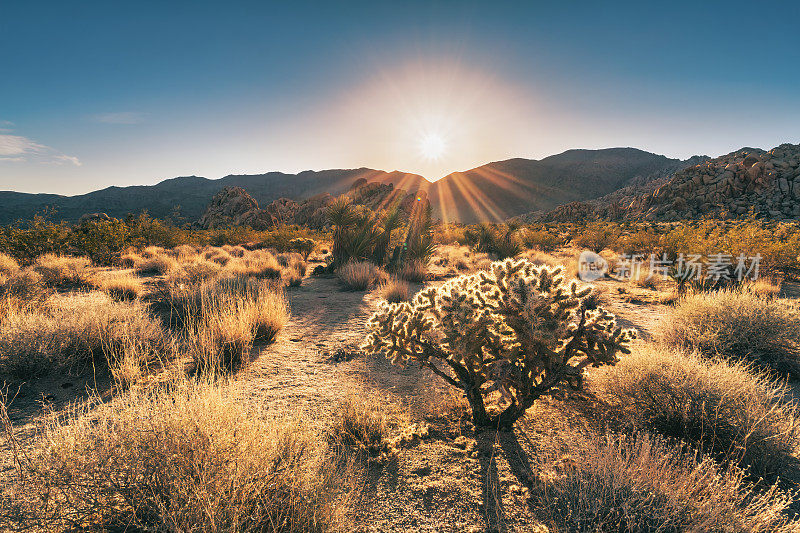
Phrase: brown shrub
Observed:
(723, 407)
(8, 265)
(190, 457)
(737, 325)
(120, 285)
(644, 484)
(394, 291)
(360, 276)
(63, 271)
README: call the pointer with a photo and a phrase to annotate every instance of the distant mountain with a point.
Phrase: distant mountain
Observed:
(193, 193)
(509, 188)
(495, 191)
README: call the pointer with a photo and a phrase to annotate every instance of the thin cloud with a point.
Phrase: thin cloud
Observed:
(16, 148)
(122, 117)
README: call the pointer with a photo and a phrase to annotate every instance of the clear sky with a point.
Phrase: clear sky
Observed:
(105, 93)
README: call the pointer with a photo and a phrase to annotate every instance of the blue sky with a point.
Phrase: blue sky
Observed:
(94, 94)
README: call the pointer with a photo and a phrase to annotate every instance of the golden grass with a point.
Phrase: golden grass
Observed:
(394, 290)
(456, 259)
(190, 457)
(120, 285)
(257, 263)
(360, 276)
(416, 271)
(72, 331)
(25, 284)
(8, 265)
(737, 325)
(154, 264)
(724, 407)
(361, 424)
(63, 271)
(195, 271)
(643, 484)
(217, 255)
(222, 319)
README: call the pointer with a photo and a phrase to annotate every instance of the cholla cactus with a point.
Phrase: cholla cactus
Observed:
(518, 329)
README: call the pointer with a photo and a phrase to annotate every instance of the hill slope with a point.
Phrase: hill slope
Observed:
(509, 188)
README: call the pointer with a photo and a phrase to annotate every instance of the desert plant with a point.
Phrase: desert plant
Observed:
(516, 329)
(294, 278)
(303, 246)
(737, 325)
(71, 331)
(24, 284)
(394, 290)
(63, 271)
(644, 484)
(154, 264)
(499, 240)
(598, 236)
(363, 425)
(120, 285)
(258, 263)
(360, 276)
(189, 457)
(413, 270)
(725, 408)
(542, 239)
(8, 265)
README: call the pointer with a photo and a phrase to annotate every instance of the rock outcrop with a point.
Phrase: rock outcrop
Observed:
(750, 179)
(233, 206)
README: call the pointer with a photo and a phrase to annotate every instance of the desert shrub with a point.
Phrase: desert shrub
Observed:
(725, 408)
(120, 285)
(258, 263)
(154, 264)
(223, 318)
(737, 325)
(416, 271)
(499, 240)
(394, 290)
(195, 271)
(63, 271)
(644, 484)
(516, 328)
(360, 424)
(541, 239)
(217, 255)
(360, 276)
(25, 284)
(190, 457)
(597, 236)
(8, 265)
(72, 331)
(303, 246)
(450, 234)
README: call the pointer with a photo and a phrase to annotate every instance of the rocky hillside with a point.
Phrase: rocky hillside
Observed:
(767, 183)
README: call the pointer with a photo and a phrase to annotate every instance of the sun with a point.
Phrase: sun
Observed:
(432, 146)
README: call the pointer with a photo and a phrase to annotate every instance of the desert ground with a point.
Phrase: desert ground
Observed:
(674, 437)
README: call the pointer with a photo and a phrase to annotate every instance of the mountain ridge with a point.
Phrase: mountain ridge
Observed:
(494, 191)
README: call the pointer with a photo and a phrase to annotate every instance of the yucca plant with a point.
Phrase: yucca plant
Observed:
(518, 329)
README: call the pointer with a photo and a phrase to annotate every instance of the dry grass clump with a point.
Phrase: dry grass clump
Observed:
(723, 407)
(71, 331)
(257, 263)
(154, 264)
(234, 251)
(223, 318)
(416, 271)
(217, 255)
(360, 275)
(120, 285)
(458, 259)
(764, 287)
(195, 271)
(184, 252)
(643, 484)
(737, 325)
(25, 284)
(362, 425)
(8, 265)
(294, 278)
(63, 271)
(186, 458)
(394, 290)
